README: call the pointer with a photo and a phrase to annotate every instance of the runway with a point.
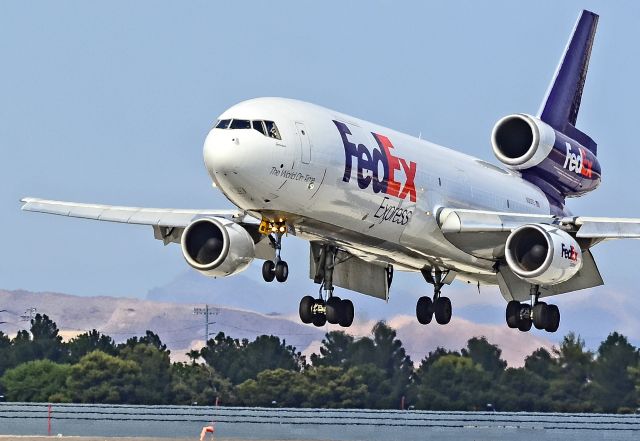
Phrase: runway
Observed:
(141, 423)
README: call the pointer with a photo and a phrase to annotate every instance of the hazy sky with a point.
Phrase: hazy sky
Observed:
(110, 103)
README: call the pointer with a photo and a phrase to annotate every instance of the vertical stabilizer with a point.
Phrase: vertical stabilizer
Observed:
(562, 102)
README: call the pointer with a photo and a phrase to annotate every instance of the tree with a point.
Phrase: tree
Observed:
(570, 389)
(522, 390)
(5, 353)
(541, 363)
(39, 380)
(336, 350)
(103, 378)
(242, 361)
(154, 387)
(199, 384)
(486, 355)
(47, 342)
(277, 387)
(83, 344)
(453, 382)
(613, 388)
(150, 338)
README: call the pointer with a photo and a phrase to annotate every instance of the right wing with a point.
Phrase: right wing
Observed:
(167, 224)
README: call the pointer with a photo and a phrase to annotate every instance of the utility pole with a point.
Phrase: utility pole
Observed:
(28, 315)
(206, 311)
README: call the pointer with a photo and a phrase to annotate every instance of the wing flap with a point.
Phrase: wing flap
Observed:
(128, 215)
(475, 221)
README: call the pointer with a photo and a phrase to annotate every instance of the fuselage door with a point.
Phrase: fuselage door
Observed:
(305, 143)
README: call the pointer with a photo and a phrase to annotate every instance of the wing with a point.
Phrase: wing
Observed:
(168, 224)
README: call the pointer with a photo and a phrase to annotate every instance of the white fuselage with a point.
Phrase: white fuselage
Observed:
(383, 205)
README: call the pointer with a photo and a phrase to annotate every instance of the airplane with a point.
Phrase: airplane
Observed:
(371, 200)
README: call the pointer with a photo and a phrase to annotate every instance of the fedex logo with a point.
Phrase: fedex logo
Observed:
(569, 253)
(578, 163)
(368, 166)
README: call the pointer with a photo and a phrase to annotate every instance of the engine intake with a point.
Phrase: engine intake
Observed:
(217, 247)
(543, 254)
(522, 141)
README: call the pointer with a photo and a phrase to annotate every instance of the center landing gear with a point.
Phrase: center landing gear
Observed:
(439, 306)
(539, 314)
(279, 269)
(333, 310)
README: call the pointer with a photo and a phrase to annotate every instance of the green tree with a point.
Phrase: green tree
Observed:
(6, 354)
(570, 388)
(453, 382)
(154, 387)
(541, 362)
(83, 344)
(278, 387)
(613, 387)
(199, 384)
(47, 342)
(103, 378)
(336, 350)
(38, 380)
(522, 390)
(486, 355)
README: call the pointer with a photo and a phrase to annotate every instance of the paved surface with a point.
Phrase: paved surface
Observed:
(110, 422)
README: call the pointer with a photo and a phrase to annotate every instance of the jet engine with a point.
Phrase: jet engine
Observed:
(217, 247)
(543, 254)
(545, 156)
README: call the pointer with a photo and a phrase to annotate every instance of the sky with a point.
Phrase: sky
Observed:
(110, 102)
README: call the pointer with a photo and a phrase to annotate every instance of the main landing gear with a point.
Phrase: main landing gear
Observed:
(440, 307)
(279, 269)
(327, 307)
(539, 314)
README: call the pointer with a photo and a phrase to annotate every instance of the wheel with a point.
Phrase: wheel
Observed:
(540, 315)
(424, 310)
(334, 310)
(268, 270)
(524, 325)
(282, 271)
(513, 313)
(347, 313)
(553, 318)
(305, 309)
(318, 311)
(442, 310)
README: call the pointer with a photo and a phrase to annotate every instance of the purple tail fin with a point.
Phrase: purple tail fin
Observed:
(562, 103)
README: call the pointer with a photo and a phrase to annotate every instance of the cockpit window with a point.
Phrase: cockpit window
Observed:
(272, 130)
(259, 127)
(240, 124)
(223, 124)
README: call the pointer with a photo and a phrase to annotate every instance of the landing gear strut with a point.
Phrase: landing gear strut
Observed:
(537, 313)
(327, 307)
(440, 306)
(279, 269)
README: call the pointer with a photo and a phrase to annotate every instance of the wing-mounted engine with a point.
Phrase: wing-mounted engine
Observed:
(543, 254)
(217, 247)
(558, 164)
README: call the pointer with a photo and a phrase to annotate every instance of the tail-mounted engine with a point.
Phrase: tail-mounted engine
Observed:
(543, 254)
(545, 156)
(217, 247)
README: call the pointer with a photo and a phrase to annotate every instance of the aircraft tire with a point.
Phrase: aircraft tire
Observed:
(282, 271)
(424, 310)
(524, 325)
(553, 318)
(334, 310)
(442, 310)
(306, 316)
(268, 270)
(512, 314)
(347, 313)
(540, 315)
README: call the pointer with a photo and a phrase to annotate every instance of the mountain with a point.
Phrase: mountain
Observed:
(181, 330)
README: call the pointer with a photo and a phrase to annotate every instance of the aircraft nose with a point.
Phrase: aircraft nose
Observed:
(220, 152)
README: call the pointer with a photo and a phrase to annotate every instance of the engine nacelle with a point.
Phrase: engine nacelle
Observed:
(217, 247)
(543, 254)
(543, 154)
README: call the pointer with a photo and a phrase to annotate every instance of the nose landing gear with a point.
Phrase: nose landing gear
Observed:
(522, 316)
(334, 309)
(440, 307)
(278, 270)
